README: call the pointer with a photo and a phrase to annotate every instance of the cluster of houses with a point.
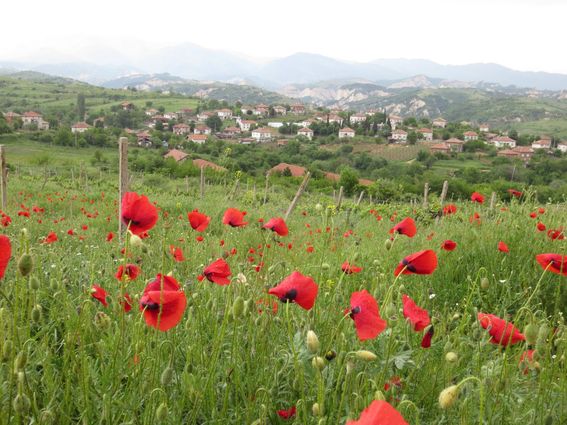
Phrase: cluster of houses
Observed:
(29, 119)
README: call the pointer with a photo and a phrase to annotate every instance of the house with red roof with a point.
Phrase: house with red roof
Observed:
(295, 170)
(470, 136)
(177, 155)
(181, 129)
(79, 127)
(426, 133)
(346, 132)
(203, 163)
(305, 132)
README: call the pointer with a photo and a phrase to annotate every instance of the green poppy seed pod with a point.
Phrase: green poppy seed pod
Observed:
(7, 349)
(135, 241)
(390, 310)
(530, 332)
(36, 313)
(248, 307)
(34, 283)
(25, 264)
(166, 376)
(54, 284)
(448, 396)
(379, 395)
(316, 409)
(402, 289)
(238, 307)
(21, 360)
(312, 342)
(318, 363)
(484, 283)
(46, 417)
(376, 263)
(161, 412)
(21, 404)
(388, 244)
(451, 357)
(367, 356)
(325, 266)
(541, 340)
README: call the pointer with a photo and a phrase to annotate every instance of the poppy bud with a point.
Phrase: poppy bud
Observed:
(330, 355)
(388, 244)
(161, 412)
(248, 306)
(21, 404)
(312, 342)
(484, 283)
(24, 232)
(451, 357)
(366, 355)
(101, 320)
(325, 266)
(166, 376)
(21, 360)
(349, 367)
(390, 310)
(318, 363)
(456, 316)
(318, 207)
(135, 241)
(241, 278)
(7, 349)
(316, 409)
(379, 395)
(25, 264)
(448, 396)
(34, 283)
(238, 307)
(46, 417)
(541, 340)
(36, 313)
(530, 332)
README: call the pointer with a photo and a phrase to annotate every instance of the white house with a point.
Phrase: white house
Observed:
(170, 115)
(33, 118)
(562, 147)
(224, 114)
(202, 129)
(335, 119)
(542, 144)
(245, 125)
(80, 127)
(197, 138)
(395, 120)
(306, 132)
(262, 134)
(204, 115)
(484, 128)
(399, 135)
(298, 109)
(275, 124)
(439, 122)
(346, 132)
(356, 118)
(470, 136)
(305, 123)
(426, 133)
(455, 144)
(280, 110)
(503, 142)
(181, 129)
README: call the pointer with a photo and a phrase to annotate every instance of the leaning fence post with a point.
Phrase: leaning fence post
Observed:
(492, 200)
(444, 191)
(266, 189)
(425, 195)
(300, 191)
(340, 199)
(3, 177)
(123, 179)
(360, 198)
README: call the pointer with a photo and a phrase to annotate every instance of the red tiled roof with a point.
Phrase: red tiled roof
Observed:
(346, 130)
(81, 125)
(454, 141)
(176, 154)
(198, 137)
(365, 182)
(296, 170)
(203, 163)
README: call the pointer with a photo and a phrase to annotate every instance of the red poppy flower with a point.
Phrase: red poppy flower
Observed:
(555, 263)
(405, 227)
(5, 253)
(540, 227)
(51, 237)
(198, 221)
(138, 213)
(296, 288)
(422, 262)
(379, 412)
(126, 303)
(130, 272)
(6, 220)
(366, 315)
(109, 236)
(526, 361)
(515, 193)
(475, 218)
(264, 305)
(163, 303)
(348, 268)
(477, 197)
(448, 245)
(234, 218)
(278, 225)
(177, 253)
(556, 234)
(426, 340)
(502, 247)
(502, 332)
(541, 210)
(417, 316)
(99, 293)
(449, 209)
(533, 215)
(287, 414)
(218, 272)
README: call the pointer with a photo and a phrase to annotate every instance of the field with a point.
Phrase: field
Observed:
(229, 352)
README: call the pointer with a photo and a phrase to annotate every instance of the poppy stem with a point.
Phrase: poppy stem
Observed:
(298, 370)
(412, 404)
(536, 287)
(388, 296)
(481, 393)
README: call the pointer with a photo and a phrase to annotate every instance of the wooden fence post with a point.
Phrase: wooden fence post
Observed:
(444, 191)
(266, 189)
(360, 198)
(123, 179)
(340, 198)
(202, 182)
(300, 191)
(3, 177)
(492, 200)
(425, 195)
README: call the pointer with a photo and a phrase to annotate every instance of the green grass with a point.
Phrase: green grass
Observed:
(86, 363)
(556, 128)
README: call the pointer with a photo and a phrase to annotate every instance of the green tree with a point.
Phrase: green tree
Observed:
(81, 109)
(348, 180)
(214, 122)
(412, 137)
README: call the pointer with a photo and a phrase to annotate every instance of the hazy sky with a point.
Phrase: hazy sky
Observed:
(521, 34)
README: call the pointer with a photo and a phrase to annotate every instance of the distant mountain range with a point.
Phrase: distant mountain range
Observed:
(190, 61)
